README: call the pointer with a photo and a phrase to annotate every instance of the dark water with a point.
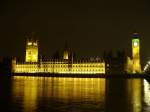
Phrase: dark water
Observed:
(46, 94)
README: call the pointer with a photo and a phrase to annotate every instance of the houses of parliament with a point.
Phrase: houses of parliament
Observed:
(68, 64)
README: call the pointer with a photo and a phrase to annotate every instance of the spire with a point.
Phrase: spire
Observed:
(66, 51)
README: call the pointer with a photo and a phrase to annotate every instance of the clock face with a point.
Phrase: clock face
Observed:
(135, 44)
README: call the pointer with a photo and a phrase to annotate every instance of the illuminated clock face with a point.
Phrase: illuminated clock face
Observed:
(135, 44)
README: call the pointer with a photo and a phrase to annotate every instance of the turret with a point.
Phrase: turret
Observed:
(31, 50)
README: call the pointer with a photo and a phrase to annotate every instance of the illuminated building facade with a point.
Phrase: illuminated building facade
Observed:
(66, 65)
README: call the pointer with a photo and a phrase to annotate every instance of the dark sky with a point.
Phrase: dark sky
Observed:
(89, 26)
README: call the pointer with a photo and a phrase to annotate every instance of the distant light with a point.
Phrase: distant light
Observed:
(29, 43)
(35, 44)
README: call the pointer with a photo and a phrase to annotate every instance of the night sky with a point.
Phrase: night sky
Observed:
(89, 26)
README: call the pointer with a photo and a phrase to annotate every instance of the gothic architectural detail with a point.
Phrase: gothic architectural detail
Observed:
(66, 65)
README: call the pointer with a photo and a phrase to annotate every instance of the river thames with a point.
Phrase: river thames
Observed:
(59, 94)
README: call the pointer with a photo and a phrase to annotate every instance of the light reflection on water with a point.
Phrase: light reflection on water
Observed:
(146, 96)
(61, 94)
(45, 94)
(135, 94)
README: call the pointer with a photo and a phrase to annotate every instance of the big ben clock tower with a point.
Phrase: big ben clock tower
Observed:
(136, 53)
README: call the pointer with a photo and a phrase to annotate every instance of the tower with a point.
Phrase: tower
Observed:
(66, 52)
(13, 66)
(31, 50)
(136, 53)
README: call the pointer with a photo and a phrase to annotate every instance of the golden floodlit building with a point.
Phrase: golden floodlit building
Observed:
(66, 65)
